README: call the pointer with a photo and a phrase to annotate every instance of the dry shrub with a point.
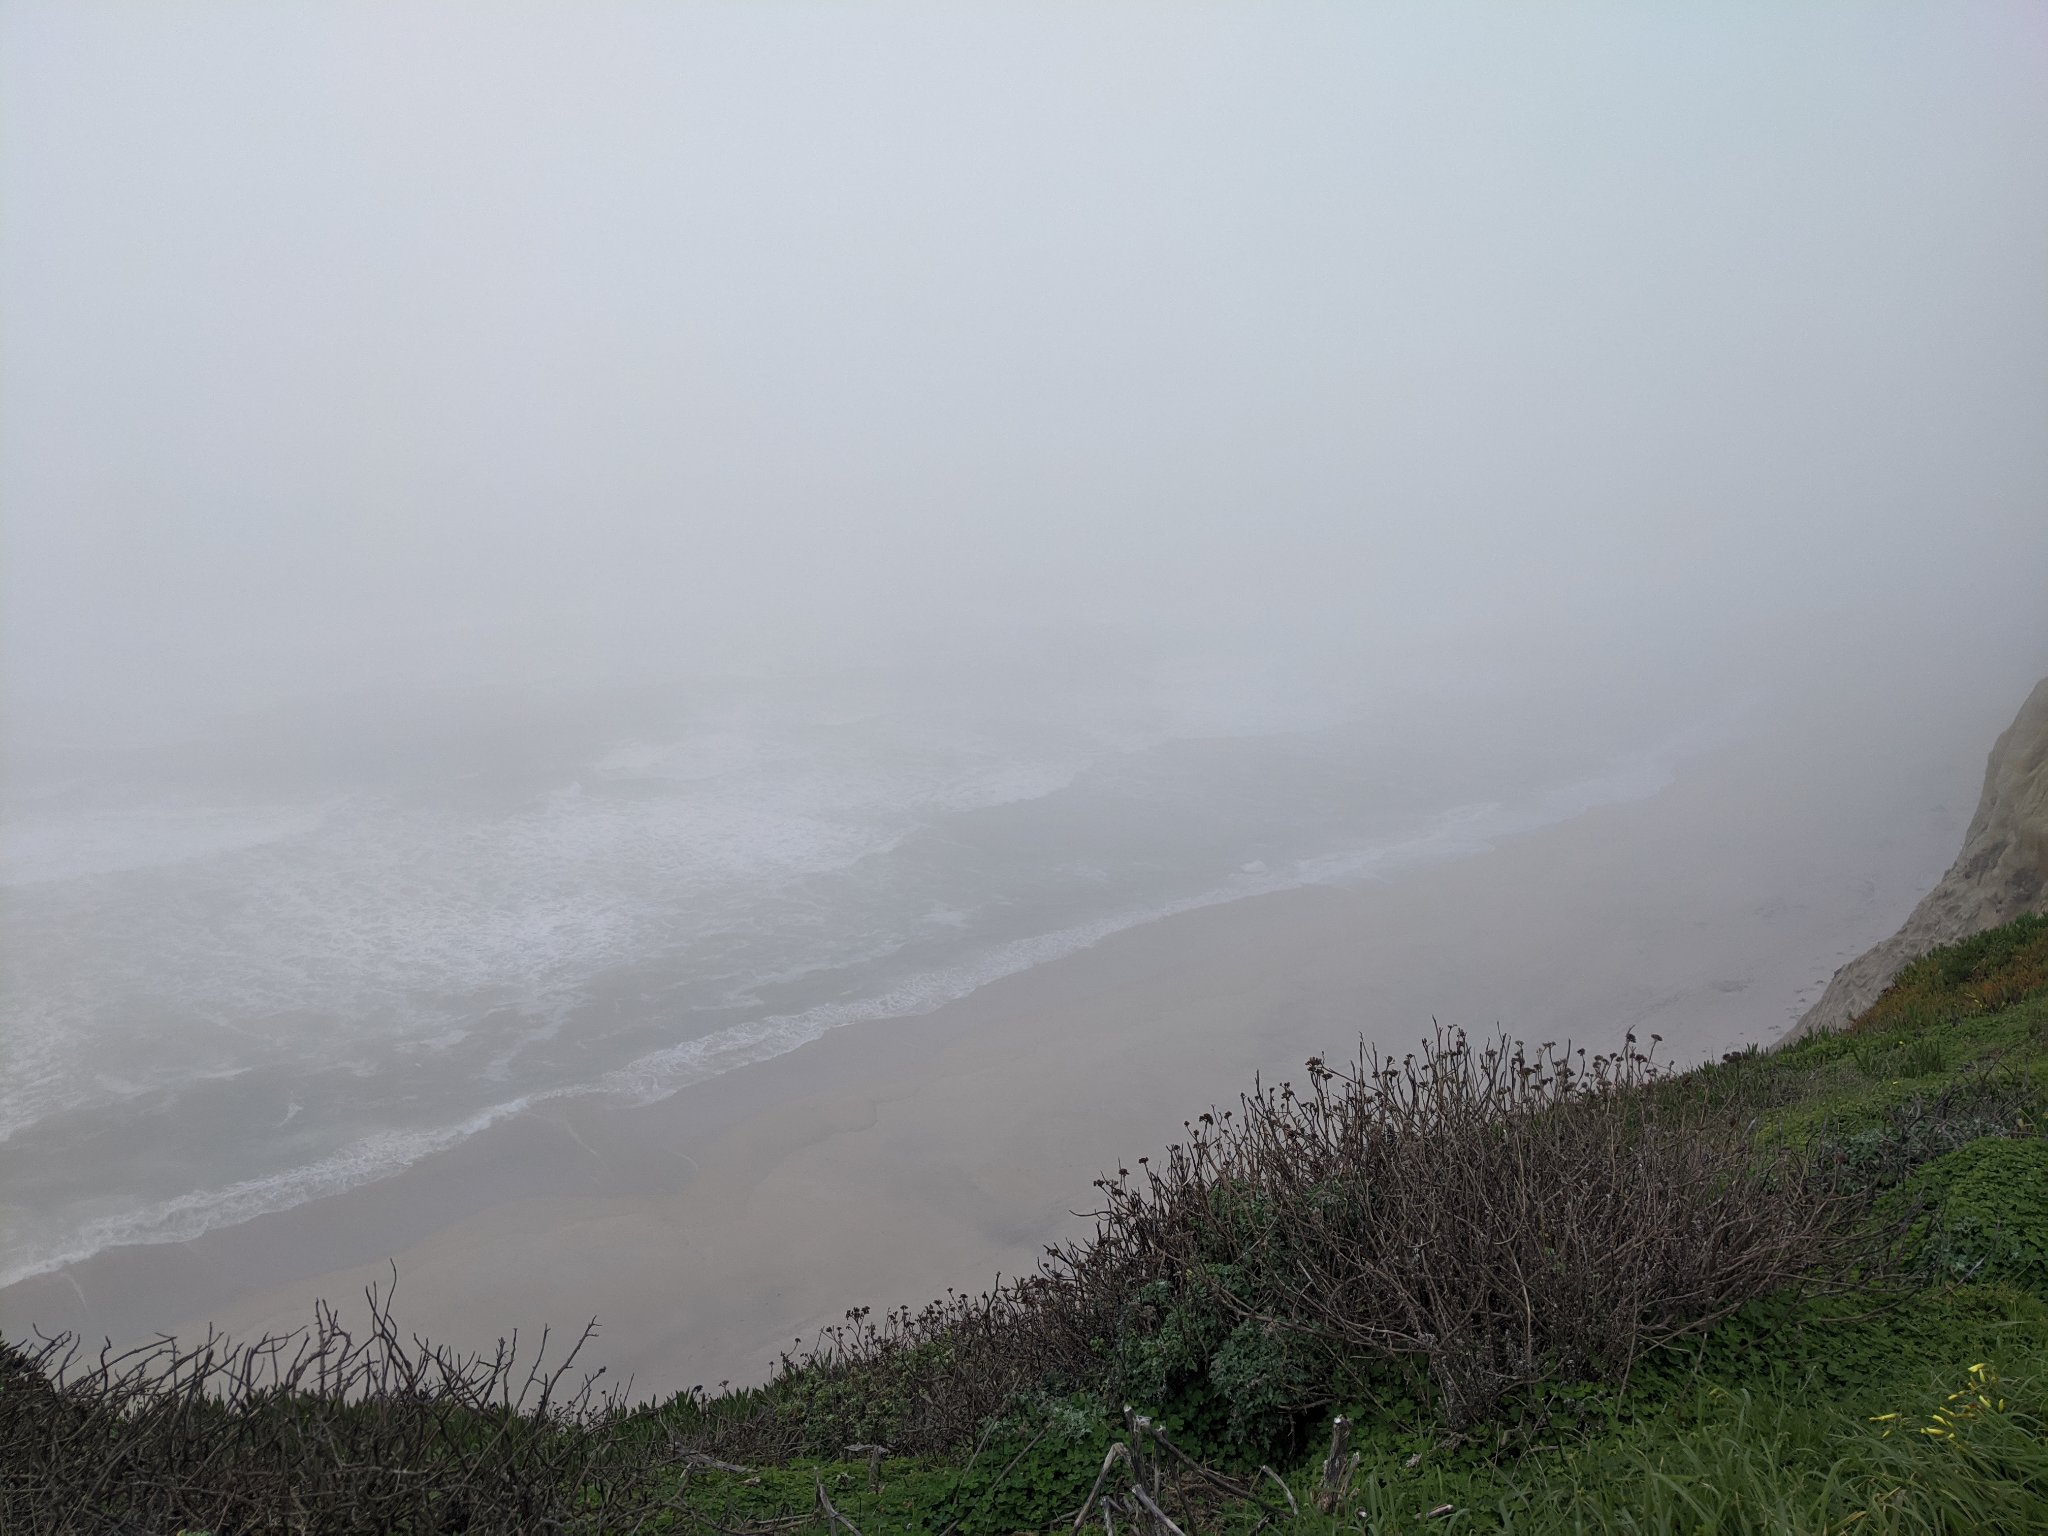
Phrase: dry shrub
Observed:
(1495, 1214)
(319, 1431)
(1476, 1218)
(927, 1380)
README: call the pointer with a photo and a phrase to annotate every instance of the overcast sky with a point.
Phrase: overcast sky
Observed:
(347, 344)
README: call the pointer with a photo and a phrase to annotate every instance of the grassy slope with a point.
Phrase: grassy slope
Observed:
(1918, 1404)
(1908, 1394)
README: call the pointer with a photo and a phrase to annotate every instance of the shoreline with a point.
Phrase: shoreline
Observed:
(1456, 832)
(1446, 836)
(935, 1149)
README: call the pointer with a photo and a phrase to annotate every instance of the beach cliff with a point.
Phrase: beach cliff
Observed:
(2001, 873)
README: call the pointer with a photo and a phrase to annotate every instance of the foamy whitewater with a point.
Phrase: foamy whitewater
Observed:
(306, 952)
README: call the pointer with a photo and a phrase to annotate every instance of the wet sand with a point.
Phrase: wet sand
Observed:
(893, 1159)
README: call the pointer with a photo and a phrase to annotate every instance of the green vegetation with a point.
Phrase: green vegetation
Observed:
(1980, 975)
(1528, 1290)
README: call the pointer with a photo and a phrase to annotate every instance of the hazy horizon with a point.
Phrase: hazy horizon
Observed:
(370, 348)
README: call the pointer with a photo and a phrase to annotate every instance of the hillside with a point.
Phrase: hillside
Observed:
(2001, 873)
(1794, 1291)
(1900, 1383)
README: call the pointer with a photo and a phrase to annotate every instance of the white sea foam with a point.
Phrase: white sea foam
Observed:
(416, 904)
(405, 925)
(191, 1215)
(407, 922)
(1462, 832)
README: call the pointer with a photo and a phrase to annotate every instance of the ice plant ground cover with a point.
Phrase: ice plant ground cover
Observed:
(1489, 1287)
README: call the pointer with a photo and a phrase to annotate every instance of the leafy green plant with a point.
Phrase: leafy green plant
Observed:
(1991, 1199)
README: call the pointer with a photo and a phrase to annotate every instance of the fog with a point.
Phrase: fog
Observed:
(376, 346)
(554, 550)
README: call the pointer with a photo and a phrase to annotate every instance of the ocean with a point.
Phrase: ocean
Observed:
(292, 953)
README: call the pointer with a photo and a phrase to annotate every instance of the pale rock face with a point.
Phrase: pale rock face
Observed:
(2001, 874)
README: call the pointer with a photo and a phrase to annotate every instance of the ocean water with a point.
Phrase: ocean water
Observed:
(302, 951)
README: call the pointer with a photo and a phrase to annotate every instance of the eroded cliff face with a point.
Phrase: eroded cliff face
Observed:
(2001, 874)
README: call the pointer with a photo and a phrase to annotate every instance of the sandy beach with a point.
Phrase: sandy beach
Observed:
(891, 1160)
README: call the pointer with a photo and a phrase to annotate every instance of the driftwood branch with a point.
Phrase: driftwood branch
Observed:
(1338, 1468)
(1286, 1492)
(1117, 1452)
(1152, 1508)
(874, 1454)
(831, 1514)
